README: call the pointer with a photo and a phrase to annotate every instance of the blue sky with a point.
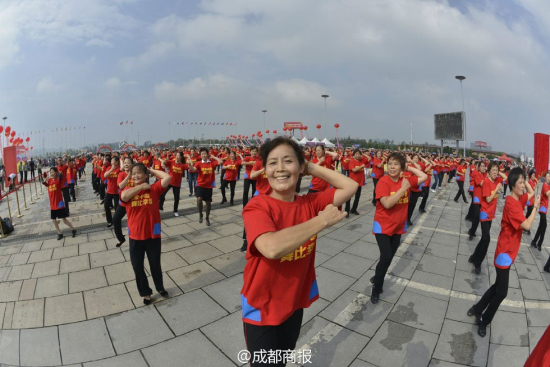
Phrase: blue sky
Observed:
(384, 64)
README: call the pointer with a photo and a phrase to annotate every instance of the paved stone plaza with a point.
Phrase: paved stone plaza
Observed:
(74, 302)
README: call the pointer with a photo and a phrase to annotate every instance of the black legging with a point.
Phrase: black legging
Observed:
(232, 185)
(425, 195)
(72, 192)
(247, 185)
(505, 188)
(471, 208)
(138, 249)
(110, 202)
(475, 219)
(355, 201)
(374, 181)
(529, 211)
(441, 175)
(460, 191)
(483, 244)
(388, 246)
(413, 198)
(162, 198)
(493, 297)
(120, 212)
(66, 197)
(541, 231)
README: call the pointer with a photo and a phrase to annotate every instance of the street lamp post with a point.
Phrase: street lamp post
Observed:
(264, 111)
(325, 96)
(461, 78)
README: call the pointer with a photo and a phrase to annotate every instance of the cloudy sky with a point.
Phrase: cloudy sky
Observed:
(385, 65)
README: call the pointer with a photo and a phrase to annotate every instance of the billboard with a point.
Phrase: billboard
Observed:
(481, 144)
(449, 126)
(293, 125)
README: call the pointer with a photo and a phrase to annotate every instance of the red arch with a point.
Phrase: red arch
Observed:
(104, 147)
(129, 146)
(164, 145)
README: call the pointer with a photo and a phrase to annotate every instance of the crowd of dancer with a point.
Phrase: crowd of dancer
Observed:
(281, 226)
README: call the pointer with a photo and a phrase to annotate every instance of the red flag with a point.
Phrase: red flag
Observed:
(541, 354)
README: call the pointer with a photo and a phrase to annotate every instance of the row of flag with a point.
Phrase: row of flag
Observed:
(57, 129)
(126, 123)
(204, 123)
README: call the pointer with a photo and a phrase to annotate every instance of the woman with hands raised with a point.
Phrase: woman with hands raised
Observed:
(282, 228)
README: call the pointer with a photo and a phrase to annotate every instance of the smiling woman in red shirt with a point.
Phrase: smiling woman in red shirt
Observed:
(206, 181)
(123, 181)
(112, 197)
(460, 178)
(175, 169)
(509, 240)
(390, 218)
(322, 158)
(249, 182)
(478, 176)
(541, 231)
(492, 185)
(282, 228)
(426, 167)
(356, 173)
(144, 227)
(533, 182)
(57, 204)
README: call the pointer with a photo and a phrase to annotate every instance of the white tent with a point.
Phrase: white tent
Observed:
(304, 141)
(296, 140)
(315, 140)
(328, 144)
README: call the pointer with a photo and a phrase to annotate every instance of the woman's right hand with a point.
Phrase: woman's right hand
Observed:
(405, 185)
(331, 215)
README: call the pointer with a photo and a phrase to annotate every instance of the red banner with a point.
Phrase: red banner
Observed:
(293, 125)
(541, 153)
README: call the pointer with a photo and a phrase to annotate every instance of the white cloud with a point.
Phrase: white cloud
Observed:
(154, 53)
(113, 83)
(47, 85)
(210, 87)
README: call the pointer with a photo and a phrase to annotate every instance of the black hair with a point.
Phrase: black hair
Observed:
(399, 158)
(462, 161)
(253, 148)
(53, 168)
(116, 158)
(491, 165)
(356, 151)
(281, 140)
(141, 167)
(320, 145)
(532, 172)
(203, 150)
(515, 174)
(130, 158)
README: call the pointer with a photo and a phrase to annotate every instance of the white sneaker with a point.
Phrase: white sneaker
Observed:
(176, 214)
(433, 190)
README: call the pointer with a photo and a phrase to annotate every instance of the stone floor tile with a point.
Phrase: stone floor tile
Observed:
(31, 246)
(172, 289)
(168, 261)
(2, 311)
(174, 243)
(430, 285)
(28, 314)
(74, 264)
(505, 355)
(535, 333)
(203, 235)
(52, 286)
(227, 292)
(420, 312)
(85, 341)
(354, 311)
(393, 286)
(332, 284)
(91, 247)
(42, 255)
(227, 230)
(19, 259)
(64, 309)
(105, 258)
(459, 343)
(119, 273)
(196, 253)
(8, 315)
(402, 267)
(40, 347)
(46, 269)
(346, 236)
(52, 243)
(228, 243)
(62, 252)
(228, 264)
(364, 249)
(86, 280)
(199, 309)
(21, 272)
(136, 329)
(227, 334)
(437, 265)
(534, 290)
(193, 348)
(9, 347)
(107, 301)
(134, 359)
(348, 264)
(195, 276)
(330, 246)
(509, 329)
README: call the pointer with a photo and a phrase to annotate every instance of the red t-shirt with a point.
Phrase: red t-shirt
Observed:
(63, 170)
(55, 194)
(488, 210)
(461, 169)
(121, 177)
(391, 221)
(316, 183)
(533, 184)
(104, 169)
(262, 184)
(157, 165)
(248, 168)
(472, 170)
(543, 198)
(175, 170)
(143, 213)
(478, 179)
(345, 162)
(509, 238)
(377, 172)
(274, 289)
(231, 169)
(428, 172)
(147, 161)
(358, 176)
(112, 182)
(206, 174)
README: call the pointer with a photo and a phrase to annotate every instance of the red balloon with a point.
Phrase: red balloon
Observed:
(267, 131)
(8, 129)
(11, 140)
(26, 149)
(274, 131)
(1, 129)
(13, 133)
(32, 148)
(259, 132)
(318, 126)
(284, 128)
(253, 135)
(239, 136)
(337, 125)
(305, 128)
(27, 140)
(227, 137)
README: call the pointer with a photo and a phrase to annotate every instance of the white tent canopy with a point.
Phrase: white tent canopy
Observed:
(328, 144)
(304, 141)
(315, 140)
